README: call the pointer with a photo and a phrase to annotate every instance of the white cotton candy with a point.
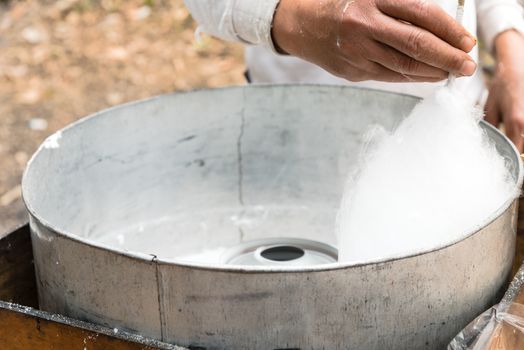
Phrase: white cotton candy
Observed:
(431, 182)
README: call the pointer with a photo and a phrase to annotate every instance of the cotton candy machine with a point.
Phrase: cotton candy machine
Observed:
(143, 218)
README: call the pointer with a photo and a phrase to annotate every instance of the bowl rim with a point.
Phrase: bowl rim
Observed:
(149, 258)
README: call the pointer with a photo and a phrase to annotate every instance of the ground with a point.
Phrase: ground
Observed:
(62, 60)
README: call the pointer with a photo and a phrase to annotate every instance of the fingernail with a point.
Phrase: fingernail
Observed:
(468, 43)
(468, 68)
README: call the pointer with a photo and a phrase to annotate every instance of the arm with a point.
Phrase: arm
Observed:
(501, 24)
(497, 16)
(353, 39)
(505, 102)
(246, 21)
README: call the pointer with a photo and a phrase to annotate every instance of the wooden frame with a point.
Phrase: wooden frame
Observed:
(24, 327)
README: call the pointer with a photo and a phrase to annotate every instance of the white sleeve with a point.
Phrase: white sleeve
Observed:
(497, 16)
(246, 21)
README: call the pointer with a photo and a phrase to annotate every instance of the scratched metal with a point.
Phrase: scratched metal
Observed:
(242, 147)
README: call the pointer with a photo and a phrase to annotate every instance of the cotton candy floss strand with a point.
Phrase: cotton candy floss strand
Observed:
(429, 183)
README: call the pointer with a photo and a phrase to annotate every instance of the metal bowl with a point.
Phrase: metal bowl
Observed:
(192, 171)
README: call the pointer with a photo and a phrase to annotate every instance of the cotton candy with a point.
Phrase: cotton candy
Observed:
(432, 181)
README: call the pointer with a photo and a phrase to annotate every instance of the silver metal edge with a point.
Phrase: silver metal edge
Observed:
(259, 269)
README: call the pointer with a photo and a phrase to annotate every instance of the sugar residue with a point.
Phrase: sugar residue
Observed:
(52, 141)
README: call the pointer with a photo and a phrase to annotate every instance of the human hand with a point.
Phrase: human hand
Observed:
(386, 40)
(506, 94)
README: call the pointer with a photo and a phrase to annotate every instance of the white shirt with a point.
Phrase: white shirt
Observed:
(249, 21)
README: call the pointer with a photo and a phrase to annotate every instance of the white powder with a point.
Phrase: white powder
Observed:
(52, 140)
(432, 181)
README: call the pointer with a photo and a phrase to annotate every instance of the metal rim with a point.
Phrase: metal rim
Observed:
(256, 246)
(258, 269)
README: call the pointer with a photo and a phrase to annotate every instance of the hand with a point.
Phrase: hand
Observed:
(506, 95)
(387, 40)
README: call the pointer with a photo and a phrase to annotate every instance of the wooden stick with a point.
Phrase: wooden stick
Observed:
(459, 17)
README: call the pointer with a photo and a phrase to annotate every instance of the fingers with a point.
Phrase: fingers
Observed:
(374, 71)
(430, 16)
(423, 46)
(492, 111)
(403, 64)
(514, 124)
(380, 73)
(515, 133)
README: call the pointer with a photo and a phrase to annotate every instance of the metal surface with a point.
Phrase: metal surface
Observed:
(284, 152)
(280, 252)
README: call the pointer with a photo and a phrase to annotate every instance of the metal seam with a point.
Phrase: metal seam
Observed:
(240, 164)
(161, 298)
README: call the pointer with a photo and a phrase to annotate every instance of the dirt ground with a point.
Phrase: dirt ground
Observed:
(62, 60)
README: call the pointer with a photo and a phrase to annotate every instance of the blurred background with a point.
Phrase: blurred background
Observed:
(62, 60)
